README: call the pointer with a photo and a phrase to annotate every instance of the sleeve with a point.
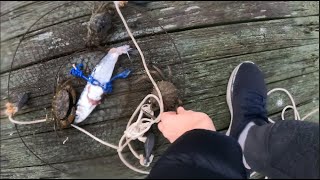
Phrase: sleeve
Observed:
(201, 154)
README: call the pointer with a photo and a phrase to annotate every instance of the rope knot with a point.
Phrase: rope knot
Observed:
(137, 129)
(107, 88)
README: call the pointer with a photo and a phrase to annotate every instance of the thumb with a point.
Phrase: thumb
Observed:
(180, 110)
(160, 126)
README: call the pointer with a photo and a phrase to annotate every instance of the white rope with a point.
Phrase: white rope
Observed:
(65, 140)
(11, 110)
(26, 122)
(137, 129)
(295, 111)
(312, 112)
(140, 52)
(293, 107)
(95, 138)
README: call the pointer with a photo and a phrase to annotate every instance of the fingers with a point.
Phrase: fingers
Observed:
(160, 126)
(180, 110)
(167, 115)
(164, 117)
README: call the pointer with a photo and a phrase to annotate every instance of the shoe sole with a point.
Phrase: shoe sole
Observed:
(229, 92)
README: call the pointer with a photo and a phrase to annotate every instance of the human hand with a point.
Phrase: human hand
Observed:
(173, 125)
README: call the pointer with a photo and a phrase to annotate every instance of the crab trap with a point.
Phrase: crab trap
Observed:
(41, 87)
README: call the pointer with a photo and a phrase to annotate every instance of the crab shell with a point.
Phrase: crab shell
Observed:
(169, 96)
(98, 28)
(63, 104)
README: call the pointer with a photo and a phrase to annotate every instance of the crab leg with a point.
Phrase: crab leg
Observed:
(159, 71)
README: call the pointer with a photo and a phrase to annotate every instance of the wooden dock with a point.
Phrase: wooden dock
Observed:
(211, 37)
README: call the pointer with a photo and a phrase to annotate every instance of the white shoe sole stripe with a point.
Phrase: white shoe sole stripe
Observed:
(229, 92)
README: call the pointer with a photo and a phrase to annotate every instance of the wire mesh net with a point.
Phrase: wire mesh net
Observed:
(44, 58)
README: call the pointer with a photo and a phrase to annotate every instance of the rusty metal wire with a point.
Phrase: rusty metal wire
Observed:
(44, 57)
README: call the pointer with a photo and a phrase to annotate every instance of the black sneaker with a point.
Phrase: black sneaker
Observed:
(246, 98)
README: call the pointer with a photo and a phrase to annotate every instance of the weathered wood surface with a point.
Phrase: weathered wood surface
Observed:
(212, 37)
(7, 7)
(173, 16)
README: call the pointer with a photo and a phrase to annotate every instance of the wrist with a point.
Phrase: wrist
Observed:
(208, 126)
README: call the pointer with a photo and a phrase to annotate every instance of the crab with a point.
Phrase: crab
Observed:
(171, 100)
(100, 22)
(63, 104)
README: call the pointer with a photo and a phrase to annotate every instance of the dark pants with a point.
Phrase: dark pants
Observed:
(286, 149)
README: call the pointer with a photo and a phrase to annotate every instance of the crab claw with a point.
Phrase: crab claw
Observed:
(128, 55)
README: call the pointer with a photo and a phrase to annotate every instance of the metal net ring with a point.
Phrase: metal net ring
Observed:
(38, 55)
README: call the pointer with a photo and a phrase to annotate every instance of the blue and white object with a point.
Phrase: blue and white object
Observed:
(99, 82)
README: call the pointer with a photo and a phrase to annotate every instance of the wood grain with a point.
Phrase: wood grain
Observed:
(212, 39)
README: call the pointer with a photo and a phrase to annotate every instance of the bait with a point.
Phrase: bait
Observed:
(99, 82)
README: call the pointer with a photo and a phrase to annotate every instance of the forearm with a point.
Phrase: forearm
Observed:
(201, 153)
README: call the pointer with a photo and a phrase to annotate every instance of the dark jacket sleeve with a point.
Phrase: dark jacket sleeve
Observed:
(201, 154)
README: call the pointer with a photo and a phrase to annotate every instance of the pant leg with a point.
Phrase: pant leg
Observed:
(200, 154)
(286, 149)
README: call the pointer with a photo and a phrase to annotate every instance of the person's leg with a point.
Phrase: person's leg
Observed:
(246, 99)
(201, 154)
(286, 149)
(281, 150)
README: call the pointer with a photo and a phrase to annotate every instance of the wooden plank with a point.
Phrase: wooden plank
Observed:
(29, 14)
(102, 167)
(209, 75)
(29, 173)
(273, 35)
(9, 6)
(182, 17)
(213, 104)
(56, 152)
(298, 79)
(295, 80)
(221, 12)
(285, 49)
(229, 40)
